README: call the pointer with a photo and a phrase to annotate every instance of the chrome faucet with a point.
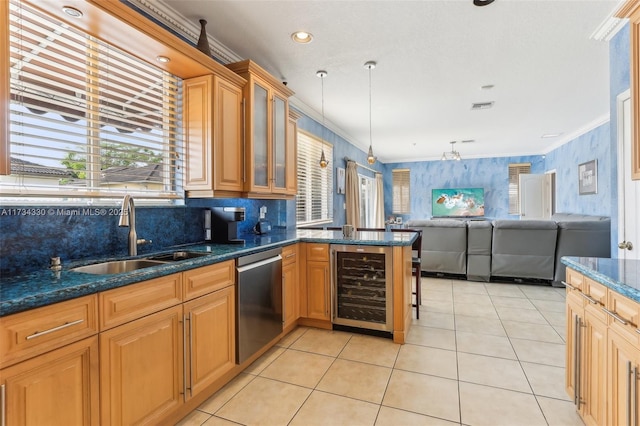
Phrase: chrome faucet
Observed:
(128, 218)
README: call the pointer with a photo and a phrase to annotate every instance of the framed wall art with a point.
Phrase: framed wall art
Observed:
(588, 177)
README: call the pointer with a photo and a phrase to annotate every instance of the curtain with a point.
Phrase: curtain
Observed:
(378, 221)
(352, 190)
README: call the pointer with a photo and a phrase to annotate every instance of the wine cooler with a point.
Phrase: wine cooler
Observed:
(362, 286)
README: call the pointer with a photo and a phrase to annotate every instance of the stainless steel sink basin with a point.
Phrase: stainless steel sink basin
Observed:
(177, 255)
(117, 266)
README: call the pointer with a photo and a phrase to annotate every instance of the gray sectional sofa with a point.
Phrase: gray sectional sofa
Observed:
(515, 250)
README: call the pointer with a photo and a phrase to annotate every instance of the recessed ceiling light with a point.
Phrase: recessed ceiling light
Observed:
(302, 37)
(481, 105)
(550, 135)
(163, 59)
(487, 87)
(467, 141)
(482, 2)
(72, 11)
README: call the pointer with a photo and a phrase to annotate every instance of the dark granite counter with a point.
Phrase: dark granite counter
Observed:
(40, 288)
(622, 276)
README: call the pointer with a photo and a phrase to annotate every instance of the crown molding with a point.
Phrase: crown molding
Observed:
(581, 131)
(611, 24)
(177, 23)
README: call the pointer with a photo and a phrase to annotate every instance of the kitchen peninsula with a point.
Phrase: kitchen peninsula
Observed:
(169, 329)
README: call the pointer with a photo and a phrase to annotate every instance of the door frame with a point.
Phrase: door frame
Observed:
(620, 99)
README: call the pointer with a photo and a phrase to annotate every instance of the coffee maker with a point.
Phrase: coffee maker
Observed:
(221, 224)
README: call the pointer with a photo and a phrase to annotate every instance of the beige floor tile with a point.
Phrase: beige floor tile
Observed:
(393, 417)
(485, 405)
(265, 402)
(436, 282)
(324, 342)
(539, 352)
(421, 359)
(298, 368)
(263, 362)
(229, 390)
(194, 418)
(218, 421)
(437, 294)
(323, 409)
(372, 350)
(529, 331)
(554, 318)
(481, 299)
(288, 340)
(491, 371)
(522, 315)
(435, 320)
(484, 345)
(433, 337)
(550, 305)
(423, 394)
(542, 292)
(562, 331)
(546, 380)
(357, 380)
(470, 324)
(504, 290)
(559, 413)
(461, 287)
(476, 310)
(440, 306)
(512, 302)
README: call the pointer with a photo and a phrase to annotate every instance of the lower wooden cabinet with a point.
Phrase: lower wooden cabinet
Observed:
(593, 394)
(623, 376)
(60, 387)
(290, 283)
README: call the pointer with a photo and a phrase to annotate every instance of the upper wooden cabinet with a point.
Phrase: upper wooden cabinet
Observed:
(213, 137)
(631, 10)
(270, 161)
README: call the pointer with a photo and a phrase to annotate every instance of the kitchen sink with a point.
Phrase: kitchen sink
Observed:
(177, 255)
(117, 266)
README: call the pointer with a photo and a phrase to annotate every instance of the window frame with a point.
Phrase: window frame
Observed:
(401, 191)
(308, 166)
(515, 170)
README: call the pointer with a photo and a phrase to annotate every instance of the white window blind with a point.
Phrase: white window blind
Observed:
(515, 170)
(401, 191)
(86, 119)
(314, 202)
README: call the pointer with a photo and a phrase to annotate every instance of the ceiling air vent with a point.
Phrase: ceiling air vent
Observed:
(481, 105)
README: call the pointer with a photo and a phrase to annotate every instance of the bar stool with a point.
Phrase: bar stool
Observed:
(416, 262)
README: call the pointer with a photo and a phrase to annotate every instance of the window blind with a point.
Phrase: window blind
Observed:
(401, 191)
(515, 170)
(314, 202)
(86, 119)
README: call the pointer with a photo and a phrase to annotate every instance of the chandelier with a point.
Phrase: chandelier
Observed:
(323, 160)
(370, 157)
(453, 155)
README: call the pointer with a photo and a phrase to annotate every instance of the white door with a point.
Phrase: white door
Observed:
(535, 196)
(628, 190)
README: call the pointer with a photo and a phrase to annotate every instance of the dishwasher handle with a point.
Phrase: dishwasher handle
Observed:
(254, 265)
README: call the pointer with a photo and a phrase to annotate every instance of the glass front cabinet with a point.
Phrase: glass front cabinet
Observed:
(270, 161)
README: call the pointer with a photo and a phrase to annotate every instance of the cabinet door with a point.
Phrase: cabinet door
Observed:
(228, 154)
(211, 344)
(141, 376)
(280, 123)
(622, 369)
(292, 155)
(60, 387)
(594, 393)
(197, 118)
(318, 299)
(259, 167)
(290, 293)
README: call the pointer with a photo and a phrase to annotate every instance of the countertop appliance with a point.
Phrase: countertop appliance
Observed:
(224, 224)
(362, 295)
(259, 310)
(262, 227)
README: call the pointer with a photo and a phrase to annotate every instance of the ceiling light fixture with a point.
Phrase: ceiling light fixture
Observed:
(323, 160)
(302, 37)
(480, 3)
(72, 11)
(453, 155)
(163, 59)
(370, 157)
(550, 135)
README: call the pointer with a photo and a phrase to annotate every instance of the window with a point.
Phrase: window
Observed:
(86, 119)
(367, 201)
(401, 191)
(515, 170)
(315, 185)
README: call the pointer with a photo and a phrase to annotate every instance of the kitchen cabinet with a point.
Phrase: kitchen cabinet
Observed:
(290, 283)
(318, 282)
(60, 387)
(624, 364)
(213, 137)
(270, 161)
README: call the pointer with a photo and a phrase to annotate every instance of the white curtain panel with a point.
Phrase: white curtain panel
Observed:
(379, 212)
(352, 189)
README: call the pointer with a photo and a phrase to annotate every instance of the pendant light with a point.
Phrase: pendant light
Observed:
(455, 155)
(323, 160)
(370, 157)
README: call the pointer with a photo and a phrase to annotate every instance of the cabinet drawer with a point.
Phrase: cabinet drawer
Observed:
(623, 310)
(318, 252)
(39, 330)
(574, 279)
(125, 304)
(289, 254)
(595, 295)
(200, 281)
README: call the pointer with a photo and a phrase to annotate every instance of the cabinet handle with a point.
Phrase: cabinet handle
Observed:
(570, 286)
(629, 373)
(51, 330)
(184, 358)
(635, 396)
(616, 316)
(190, 355)
(576, 362)
(590, 299)
(3, 405)
(289, 255)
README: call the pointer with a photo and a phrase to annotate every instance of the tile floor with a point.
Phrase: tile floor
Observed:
(481, 354)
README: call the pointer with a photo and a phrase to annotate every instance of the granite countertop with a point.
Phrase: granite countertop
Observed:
(40, 288)
(622, 276)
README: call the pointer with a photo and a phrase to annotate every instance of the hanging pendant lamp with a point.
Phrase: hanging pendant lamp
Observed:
(323, 160)
(370, 157)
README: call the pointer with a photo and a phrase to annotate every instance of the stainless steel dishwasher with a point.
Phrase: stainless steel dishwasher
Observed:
(259, 301)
